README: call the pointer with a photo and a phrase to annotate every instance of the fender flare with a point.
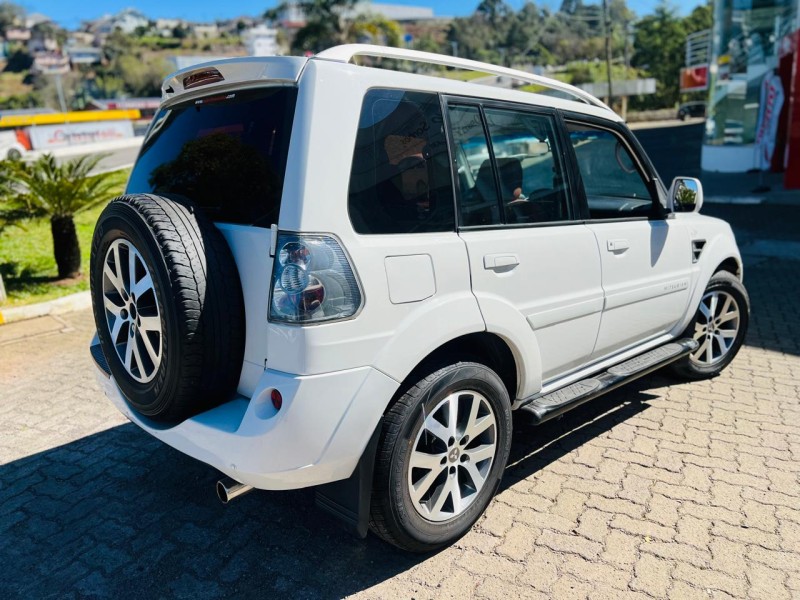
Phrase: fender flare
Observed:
(717, 250)
(435, 327)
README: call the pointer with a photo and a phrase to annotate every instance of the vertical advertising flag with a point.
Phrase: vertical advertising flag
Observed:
(769, 111)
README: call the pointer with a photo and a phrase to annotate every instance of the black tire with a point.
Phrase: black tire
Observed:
(687, 367)
(14, 154)
(199, 298)
(393, 515)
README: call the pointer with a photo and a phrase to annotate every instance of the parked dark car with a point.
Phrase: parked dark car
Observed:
(691, 109)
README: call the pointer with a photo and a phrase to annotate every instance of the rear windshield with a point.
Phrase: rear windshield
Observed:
(226, 153)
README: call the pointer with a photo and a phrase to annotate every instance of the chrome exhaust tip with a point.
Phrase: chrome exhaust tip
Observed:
(228, 489)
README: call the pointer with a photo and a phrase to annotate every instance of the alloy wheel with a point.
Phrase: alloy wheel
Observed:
(131, 309)
(452, 455)
(716, 327)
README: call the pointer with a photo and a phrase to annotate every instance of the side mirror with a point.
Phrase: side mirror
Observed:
(685, 195)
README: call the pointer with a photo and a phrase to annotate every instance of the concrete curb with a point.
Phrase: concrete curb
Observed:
(59, 306)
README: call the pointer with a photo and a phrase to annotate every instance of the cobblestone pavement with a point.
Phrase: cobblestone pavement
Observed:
(661, 490)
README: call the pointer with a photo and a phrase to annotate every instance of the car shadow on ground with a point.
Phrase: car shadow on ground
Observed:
(118, 514)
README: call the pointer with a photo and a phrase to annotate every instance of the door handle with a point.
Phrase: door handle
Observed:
(500, 261)
(619, 245)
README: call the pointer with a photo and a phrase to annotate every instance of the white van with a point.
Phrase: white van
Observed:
(336, 275)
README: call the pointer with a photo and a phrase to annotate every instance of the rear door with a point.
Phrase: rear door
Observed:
(527, 251)
(646, 257)
(228, 154)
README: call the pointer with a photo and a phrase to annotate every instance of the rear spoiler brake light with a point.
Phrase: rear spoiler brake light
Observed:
(203, 77)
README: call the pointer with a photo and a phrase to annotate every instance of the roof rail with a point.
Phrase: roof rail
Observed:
(347, 52)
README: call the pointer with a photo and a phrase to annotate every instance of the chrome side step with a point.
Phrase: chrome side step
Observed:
(548, 406)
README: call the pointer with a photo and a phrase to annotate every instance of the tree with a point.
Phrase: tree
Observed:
(659, 42)
(700, 18)
(19, 61)
(377, 29)
(10, 14)
(142, 78)
(325, 25)
(7, 213)
(494, 11)
(47, 189)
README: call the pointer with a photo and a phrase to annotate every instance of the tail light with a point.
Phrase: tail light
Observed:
(312, 281)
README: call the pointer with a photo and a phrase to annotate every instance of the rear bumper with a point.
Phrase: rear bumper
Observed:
(317, 437)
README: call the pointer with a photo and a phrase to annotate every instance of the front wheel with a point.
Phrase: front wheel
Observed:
(719, 328)
(443, 449)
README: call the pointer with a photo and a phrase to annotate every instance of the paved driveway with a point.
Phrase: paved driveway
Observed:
(662, 490)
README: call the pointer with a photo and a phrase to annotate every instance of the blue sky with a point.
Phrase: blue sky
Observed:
(69, 13)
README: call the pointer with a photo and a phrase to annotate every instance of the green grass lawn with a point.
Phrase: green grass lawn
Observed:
(27, 263)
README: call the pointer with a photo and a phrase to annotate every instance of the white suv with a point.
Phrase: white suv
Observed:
(326, 274)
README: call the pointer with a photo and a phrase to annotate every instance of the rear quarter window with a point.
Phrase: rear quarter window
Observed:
(226, 153)
(401, 180)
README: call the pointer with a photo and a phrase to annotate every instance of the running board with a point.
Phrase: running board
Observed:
(543, 408)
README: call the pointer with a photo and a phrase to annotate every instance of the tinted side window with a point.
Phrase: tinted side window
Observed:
(613, 183)
(227, 153)
(478, 203)
(529, 166)
(400, 180)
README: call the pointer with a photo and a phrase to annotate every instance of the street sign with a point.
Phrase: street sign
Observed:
(694, 79)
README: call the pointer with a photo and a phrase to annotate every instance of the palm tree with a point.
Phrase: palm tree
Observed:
(7, 213)
(60, 191)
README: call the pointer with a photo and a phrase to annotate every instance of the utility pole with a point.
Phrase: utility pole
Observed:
(60, 90)
(628, 34)
(607, 28)
(454, 44)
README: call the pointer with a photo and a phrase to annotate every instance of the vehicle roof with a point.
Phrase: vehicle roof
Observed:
(247, 72)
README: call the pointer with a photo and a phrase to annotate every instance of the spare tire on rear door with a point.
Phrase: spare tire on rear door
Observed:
(167, 304)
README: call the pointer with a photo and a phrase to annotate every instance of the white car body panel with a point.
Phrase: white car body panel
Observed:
(298, 446)
(720, 247)
(646, 281)
(567, 308)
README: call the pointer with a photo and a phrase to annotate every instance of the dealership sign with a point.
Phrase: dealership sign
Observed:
(694, 79)
(47, 137)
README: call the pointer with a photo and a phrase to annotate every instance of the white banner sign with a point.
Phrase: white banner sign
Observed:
(46, 137)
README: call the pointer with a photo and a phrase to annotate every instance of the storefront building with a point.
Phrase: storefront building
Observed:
(754, 89)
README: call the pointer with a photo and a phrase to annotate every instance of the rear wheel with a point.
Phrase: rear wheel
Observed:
(719, 328)
(442, 452)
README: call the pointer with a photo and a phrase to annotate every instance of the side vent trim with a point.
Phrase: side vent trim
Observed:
(697, 249)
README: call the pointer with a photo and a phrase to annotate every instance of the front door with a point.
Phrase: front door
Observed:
(527, 251)
(646, 258)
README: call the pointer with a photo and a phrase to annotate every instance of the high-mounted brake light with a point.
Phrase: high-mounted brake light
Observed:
(203, 77)
(312, 281)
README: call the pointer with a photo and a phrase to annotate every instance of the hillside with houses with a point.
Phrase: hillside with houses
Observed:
(126, 55)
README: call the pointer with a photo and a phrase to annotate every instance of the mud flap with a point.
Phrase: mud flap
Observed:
(349, 499)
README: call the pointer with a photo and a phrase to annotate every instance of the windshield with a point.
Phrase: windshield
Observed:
(226, 153)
